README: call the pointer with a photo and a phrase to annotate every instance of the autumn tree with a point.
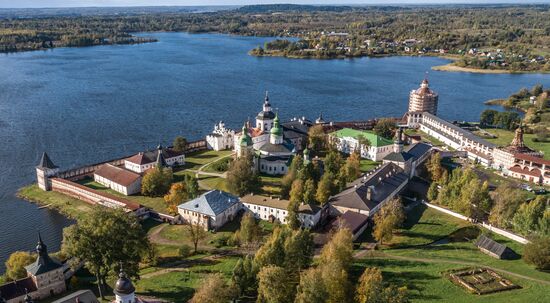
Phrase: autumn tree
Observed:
(191, 186)
(292, 174)
(15, 265)
(156, 182)
(250, 232)
(91, 241)
(387, 219)
(244, 275)
(527, 217)
(311, 288)
(196, 233)
(537, 253)
(274, 287)
(296, 196)
(370, 286)
(352, 167)
(385, 128)
(317, 138)
(324, 189)
(177, 195)
(241, 177)
(213, 289)
(179, 144)
(333, 162)
(309, 192)
(434, 167)
(506, 201)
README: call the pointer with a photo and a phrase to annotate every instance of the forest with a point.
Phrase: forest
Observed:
(488, 37)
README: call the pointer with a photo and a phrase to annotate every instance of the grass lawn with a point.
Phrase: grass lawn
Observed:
(197, 159)
(156, 203)
(271, 185)
(179, 286)
(425, 280)
(504, 138)
(68, 206)
(211, 182)
(368, 165)
(426, 283)
(425, 137)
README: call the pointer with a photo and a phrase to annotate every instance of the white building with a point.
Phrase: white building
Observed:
(143, 161)
(275, 210)
(347, 141)
(118, 179)
(221, 138)
(478, 149)
(211, 210)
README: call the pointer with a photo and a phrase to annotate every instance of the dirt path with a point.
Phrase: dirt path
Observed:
(382, 255)
(156, 238)
(200, 171)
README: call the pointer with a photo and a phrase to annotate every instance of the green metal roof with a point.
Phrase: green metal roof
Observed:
(375, 140)
(276, 130)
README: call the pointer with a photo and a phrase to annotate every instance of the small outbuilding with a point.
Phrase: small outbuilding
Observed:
(494, 249)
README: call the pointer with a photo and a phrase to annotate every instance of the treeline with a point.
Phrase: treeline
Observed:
(511, 28)
(506, 207)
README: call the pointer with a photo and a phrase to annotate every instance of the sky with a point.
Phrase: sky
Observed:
(84, 3)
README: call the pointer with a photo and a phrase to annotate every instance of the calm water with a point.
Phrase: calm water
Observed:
(90, 104)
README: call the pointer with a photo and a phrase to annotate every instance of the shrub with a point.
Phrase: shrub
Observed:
(185, 251)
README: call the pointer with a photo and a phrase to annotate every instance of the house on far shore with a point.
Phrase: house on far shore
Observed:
(212, 209)
(494, 249)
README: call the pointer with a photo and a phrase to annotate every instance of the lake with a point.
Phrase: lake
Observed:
(83, 105)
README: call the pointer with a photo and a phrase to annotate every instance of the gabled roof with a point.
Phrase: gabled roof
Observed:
(46, 162)
(278, 203)
(419, 149)
(375, 140)
(277, 148)
(398, 157)
(81, 296)
(382, 183)
(494, 247)
(466, 134)
(17, 288)
(354, 221)
(117, 175)
(152, 155)
(211, 203)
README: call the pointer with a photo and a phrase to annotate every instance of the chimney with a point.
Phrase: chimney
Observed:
(370, 191)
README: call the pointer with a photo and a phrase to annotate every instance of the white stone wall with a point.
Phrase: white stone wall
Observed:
(348, 145)
(273, 167)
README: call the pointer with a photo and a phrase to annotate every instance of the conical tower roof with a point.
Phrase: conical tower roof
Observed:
(43, 263)
(46, 162)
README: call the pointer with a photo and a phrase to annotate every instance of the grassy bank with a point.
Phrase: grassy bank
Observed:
(67, 206)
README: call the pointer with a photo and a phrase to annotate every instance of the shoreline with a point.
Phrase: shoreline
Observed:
(453, 68)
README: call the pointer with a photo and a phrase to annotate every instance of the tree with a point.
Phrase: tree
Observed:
(432, 191)
(156, 182)
(333, 162)
(241, 178)
(309, 192)
(244, 275)
(487, 117)
(15, 265)
(337, 283)
(324, 189)
(537, 253)
(296, 195)
(192, 186)
(292, 174)
(274, 287)
(506, 201)
(387, 219)
(385, 128)
(311, 288)
(544, 223)
(197, 233)
(527, 216)
(273, 250)
(352, 167)
(213, 289)
(339, 249)
(536, 90)
(298, 249)
(370, 286)
(92, 240)
(363, 142)
(180, 144)
(317, 138)
(434, 167)
(177, 195)
(249, 232)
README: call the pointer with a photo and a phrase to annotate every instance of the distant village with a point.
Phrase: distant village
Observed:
(273, 144)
